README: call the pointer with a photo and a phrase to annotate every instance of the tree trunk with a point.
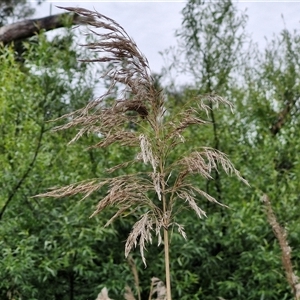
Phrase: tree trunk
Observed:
(27, 28)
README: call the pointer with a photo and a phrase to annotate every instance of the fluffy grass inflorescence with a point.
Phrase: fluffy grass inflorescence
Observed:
(156, 135)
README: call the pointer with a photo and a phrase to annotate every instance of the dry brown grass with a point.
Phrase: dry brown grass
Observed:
(103, 295)
(157, 292)
(156, 137)
(286, 250)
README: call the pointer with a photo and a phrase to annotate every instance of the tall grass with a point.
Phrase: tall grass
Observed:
(286, 250)
(139, 117)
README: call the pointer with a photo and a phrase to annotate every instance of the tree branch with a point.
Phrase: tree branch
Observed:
(289, 102)
(281, 120)
(27, 28)
(26, 173)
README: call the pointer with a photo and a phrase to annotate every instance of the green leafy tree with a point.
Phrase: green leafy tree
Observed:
(232, 262)
(49, 250)
(13, 10)
(272, 117)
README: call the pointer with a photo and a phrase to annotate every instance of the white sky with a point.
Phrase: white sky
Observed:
(152, 23)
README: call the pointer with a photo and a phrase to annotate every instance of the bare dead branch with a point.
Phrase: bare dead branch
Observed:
(27, 28)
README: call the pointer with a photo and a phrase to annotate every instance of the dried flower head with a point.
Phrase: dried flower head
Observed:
(286, 250)
(155, 136)
(158, 289)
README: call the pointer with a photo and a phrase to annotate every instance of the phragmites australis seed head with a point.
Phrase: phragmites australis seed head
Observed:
(139, 119)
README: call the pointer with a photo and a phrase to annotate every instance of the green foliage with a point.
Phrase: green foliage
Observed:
(15, 10)
(239, 257)
(52, 250)
(48, 250)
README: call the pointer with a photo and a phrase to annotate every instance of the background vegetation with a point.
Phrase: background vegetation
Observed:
(50, 249)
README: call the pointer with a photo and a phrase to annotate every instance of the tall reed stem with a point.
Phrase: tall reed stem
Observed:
(166, 246)
(165, 215)
(167, 264)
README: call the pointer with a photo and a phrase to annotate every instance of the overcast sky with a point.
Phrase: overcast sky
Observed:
(152, 23)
